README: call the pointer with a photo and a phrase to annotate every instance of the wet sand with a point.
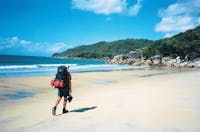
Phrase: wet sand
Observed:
(138, 100)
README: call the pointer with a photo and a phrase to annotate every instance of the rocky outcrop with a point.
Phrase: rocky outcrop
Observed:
(132, 58)
(119, 59)
(136, 58)
(137, 54)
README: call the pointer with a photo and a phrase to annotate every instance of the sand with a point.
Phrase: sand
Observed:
(138, 100)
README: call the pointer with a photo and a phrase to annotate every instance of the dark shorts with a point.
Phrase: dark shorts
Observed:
(63, 92)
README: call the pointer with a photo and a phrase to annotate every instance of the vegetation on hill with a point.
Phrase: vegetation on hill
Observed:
(185, 45)
(105, 49)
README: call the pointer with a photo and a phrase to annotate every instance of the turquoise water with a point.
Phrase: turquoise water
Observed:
(14, 66)
(17, 95)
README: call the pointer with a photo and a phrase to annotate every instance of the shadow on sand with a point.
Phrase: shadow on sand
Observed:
(84, 109)
(80, 110)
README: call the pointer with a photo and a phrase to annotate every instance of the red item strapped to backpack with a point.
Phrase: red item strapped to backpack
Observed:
(57, 83)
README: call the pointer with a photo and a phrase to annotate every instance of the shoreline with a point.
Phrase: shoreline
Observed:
(140, 73)
(137, 100)
(128, 69)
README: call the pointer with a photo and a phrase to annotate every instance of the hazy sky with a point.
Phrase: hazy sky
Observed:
(43, 27)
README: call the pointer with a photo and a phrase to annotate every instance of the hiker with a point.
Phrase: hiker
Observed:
(65, 90)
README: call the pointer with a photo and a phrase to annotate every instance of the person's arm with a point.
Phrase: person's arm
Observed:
(70, 84)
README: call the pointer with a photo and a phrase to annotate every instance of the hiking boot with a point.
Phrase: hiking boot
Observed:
(65, 111)
(70, 98)
(54, 111)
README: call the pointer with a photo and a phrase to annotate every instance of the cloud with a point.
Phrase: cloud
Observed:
(179, 17)
(25, 42)
(134, 10)
(15, 45)
(58, 47)
(14, 40)
(107, 7)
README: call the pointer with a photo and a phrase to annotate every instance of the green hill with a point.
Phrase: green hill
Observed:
(185, 45)
(105, 49)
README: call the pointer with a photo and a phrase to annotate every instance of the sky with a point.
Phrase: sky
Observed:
(44, 27)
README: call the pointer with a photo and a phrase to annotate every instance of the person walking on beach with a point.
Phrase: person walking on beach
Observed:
(65, 90)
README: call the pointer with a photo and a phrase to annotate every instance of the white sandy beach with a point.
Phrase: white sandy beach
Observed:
(138, 100)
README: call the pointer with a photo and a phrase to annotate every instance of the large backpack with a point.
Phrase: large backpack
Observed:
(61, 80)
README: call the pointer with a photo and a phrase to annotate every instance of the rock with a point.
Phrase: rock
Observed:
(118, 59)
(178, 60)
(148, 63)
(138, 63)
(182, 65)
(130, 58)
(172, 61)
(130, 61)
(166, 60)
(156, 57)
(136, 58)
(177, 65)
(189, 65)
(156, 60)
(196, 62)
(187, 58)
(136, 54)
(169, 65)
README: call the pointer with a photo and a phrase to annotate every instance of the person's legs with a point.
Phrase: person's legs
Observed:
(58, 101)
(56, 104)
(64, 105)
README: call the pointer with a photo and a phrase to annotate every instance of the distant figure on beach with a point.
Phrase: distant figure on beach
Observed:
(62, 82)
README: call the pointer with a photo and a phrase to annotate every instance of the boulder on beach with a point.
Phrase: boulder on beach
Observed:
(136, 58)
(148, 63)
(136, 54)
(118, 59)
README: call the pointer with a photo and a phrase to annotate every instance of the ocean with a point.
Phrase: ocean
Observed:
(17, 66)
